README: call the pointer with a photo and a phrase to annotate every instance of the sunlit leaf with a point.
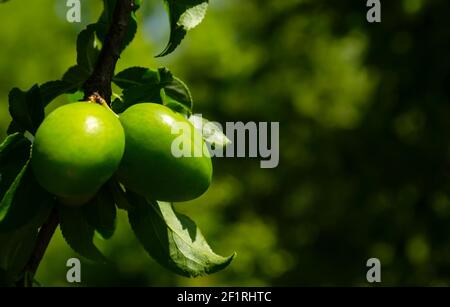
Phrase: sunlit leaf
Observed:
(184, 15)
(173, 239)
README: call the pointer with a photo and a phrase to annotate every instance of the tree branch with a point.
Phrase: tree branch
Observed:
(100, 80)
(43, 239)
(98, 84)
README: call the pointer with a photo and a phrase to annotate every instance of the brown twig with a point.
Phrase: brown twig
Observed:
(100, 80)
(43, 239)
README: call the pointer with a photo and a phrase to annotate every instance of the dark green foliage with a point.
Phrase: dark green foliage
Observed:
(25, 205)
(78, 233)
(87, 49)
(100, 213)
(145, 85)
(26, 109)
(104, 22)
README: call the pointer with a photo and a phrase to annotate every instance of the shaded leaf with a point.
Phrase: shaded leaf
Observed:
(104, 22)
(78, 233)
(52, 89)
(18, 244)
(9, 144)
(173, 239)
(176, 94)
(135, 76)
(24, 201)
(17, 247)
(145, 85)
(14, 128)
(26, 109)
(100, 213)
(5, 278)
(76, 75)
(87, 49)
(184, 15)
(14, 153)
(22, 198)
(118, 194)
(8, 197)
(77, 96)
(137, 94)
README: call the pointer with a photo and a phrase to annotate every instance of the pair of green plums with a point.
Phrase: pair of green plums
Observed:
(80, 146)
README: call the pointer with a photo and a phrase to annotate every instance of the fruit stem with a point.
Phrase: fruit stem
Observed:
(43, 239)
(96, 98)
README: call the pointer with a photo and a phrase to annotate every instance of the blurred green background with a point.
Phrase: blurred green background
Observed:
(364, 116)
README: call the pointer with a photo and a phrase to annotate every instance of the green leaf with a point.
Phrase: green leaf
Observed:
(100, 213)
(9, 144)
(135, 76)
(139, 84)
(105, 19)
(104, 22)
(118, 106)
(26, 109)
(16, 249)
(78, 233)
(52, 89)
(137, 94)
(8, 198)
(14, 153)
(173, 239)
(184, 15)
(77, 96)
(176, 94)
(24, 201)
(211, 132)
(14, 128)
(76, 75)
(118, 194)
(145, 85)
(5, 278)
(18, 244)
(87, 48)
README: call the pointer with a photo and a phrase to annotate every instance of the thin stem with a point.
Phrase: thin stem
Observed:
(43, 239)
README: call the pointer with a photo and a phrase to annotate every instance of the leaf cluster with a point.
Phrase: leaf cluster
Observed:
(172, 239)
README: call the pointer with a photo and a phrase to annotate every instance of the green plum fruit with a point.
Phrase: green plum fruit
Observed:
(77, 148)
(149, 166)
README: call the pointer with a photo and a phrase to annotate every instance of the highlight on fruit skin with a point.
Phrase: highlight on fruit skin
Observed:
(148, 166)
(77, 148)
